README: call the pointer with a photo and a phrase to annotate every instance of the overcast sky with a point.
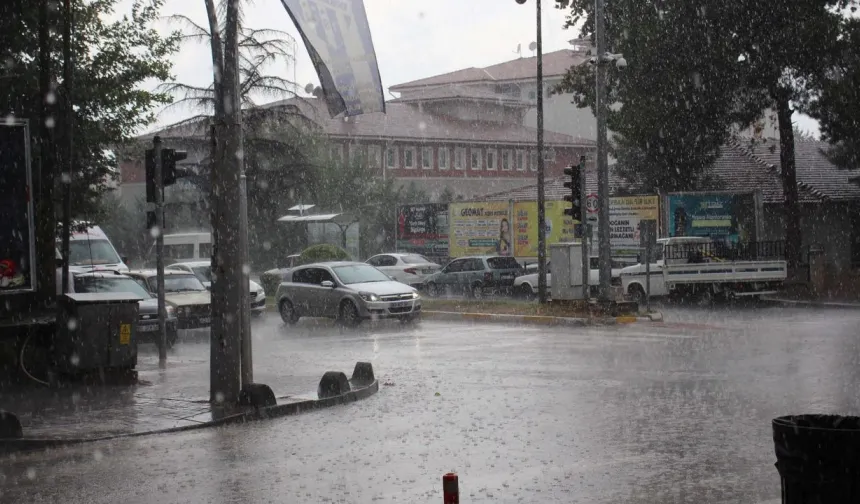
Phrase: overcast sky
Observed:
(413, 39)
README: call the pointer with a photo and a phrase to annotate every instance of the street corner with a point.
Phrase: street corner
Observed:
(147, 417)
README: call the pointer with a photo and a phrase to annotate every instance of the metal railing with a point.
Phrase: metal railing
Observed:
(725, 251)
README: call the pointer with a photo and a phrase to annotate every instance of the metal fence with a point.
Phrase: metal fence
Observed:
(725, 251)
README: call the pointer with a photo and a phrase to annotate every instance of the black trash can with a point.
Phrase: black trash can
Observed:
(818, 458)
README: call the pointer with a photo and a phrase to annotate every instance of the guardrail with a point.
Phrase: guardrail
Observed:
(723, 251)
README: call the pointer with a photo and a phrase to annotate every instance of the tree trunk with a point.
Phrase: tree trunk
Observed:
(788, 168)
(46, 217)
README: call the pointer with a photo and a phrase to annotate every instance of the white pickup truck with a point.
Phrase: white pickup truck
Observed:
(700, 269)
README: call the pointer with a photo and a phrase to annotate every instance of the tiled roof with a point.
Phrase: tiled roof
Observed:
(815, 172)
(554, 64)
(456, 91)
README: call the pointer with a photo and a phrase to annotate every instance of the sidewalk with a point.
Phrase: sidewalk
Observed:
(175, 398)
(813, 303)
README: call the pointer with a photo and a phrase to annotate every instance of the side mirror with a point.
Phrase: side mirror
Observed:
(328, 283)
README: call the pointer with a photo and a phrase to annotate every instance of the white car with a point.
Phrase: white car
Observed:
(410, 269)
(527, 285)
(203, 271)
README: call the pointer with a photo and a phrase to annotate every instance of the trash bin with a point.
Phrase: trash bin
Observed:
(96, 331)
(818, 458)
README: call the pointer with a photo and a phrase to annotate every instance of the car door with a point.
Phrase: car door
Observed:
(327, 297)
(299, 291)
(449, 274)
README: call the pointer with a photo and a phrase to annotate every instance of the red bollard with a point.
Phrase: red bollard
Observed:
(451, 488)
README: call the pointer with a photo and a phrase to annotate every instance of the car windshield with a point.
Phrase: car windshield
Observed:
(503, 263)
(204, 273)
(91, 252)
(414, 259)
(110, 284)
(177, 283)
(359, 273)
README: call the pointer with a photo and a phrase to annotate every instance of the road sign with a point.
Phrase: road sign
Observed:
(591, 203)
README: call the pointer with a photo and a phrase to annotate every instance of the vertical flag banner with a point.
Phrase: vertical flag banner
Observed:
(337, 36)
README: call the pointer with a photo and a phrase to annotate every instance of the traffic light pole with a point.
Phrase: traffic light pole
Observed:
(159, 252)
(583, 226)
(542, 297)
(603, 241)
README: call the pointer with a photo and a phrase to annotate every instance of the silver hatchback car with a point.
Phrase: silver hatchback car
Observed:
(347, 291)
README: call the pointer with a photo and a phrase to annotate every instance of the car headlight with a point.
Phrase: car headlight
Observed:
(415, 295)
(368, 296)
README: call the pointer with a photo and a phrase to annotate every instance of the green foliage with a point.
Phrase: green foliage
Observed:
(114, 57)
(270, 282)
(323, 252)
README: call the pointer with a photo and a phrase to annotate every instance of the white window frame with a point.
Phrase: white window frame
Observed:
(374, 155)
(459, 158)
(533, 160)
(406, 155)
(392, 157)
(473, 151)
(357, 152)
(507, 159)
(426, 154)
(492, 154)
(335, 152)
(521, 160)
(443, 158)
(549, 154)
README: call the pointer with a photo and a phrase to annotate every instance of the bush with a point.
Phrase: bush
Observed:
(270, 281)
(323, 252)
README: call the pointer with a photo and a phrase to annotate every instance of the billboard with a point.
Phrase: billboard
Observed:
(480, 228)
(559, 227)
(718, 215)
(423, 229)
(17, 245)
(337, 37)
(625, 214)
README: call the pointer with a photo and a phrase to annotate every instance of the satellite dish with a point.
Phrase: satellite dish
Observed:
(309, 88)
(532, 46)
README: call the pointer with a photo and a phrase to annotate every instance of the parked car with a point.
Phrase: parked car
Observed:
(111, 281)
(527, 285)
(411, 269)
(475, 275)
(184, 292)
(347, 291)
(203, 271)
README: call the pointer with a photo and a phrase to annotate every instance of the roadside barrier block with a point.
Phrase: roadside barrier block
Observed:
(333, 384)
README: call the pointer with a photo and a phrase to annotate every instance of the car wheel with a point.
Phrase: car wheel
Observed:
(637, 294)
(288, 313)
(349, 314)
(432, 289)
(705, 298)
(477, 291)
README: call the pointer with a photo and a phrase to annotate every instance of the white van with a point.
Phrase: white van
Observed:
(187, 247)
(90, 249)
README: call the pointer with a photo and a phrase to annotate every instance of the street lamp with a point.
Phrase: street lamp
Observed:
(540, 168)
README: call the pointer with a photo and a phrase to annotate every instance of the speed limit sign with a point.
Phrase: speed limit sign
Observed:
(591, 203)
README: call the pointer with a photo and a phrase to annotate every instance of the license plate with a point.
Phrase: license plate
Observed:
(204, 320)
(401, 304)
(507, 275)
(147, 328)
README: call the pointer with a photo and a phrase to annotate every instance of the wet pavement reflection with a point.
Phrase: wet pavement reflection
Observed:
(672, 412)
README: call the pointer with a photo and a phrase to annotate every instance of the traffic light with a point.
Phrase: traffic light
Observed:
(575, 186)
(169, 173)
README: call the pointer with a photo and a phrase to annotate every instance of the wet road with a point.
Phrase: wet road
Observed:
(634, 414)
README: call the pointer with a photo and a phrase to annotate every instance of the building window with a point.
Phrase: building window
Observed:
(506, 160)
(391, 158)
(459, 158)
(409, 158)
(336, 153)
(521, 160)
(549, 155)
(426, 158)
(533, 160)
(374, 156)
(442, 158)
(476, 158)
(491, 159)
(357, 153)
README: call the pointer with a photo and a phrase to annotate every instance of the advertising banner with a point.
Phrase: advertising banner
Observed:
(625, 213)
(559, 227)
(480, 228)
(718, 215)
(17, 246)
(337, 36)
(423, 229)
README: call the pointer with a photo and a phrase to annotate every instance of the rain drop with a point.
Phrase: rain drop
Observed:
(74, 359)
(98, 455)
(66, 178)
(51, 98)
(246, 269)
(50, 122)
(31, 473)
(72, 324)
(422, 125)
(10, 120)
(154, 232)
(267, 245)
(219, 396)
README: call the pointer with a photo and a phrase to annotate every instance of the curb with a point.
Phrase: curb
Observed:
(812, 304)
(363, 391)
(538, 319)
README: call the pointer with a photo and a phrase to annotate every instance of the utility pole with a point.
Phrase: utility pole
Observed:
(541, 196)
(603, 242)
(159, 251)
(246, 350)
(69, 144)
